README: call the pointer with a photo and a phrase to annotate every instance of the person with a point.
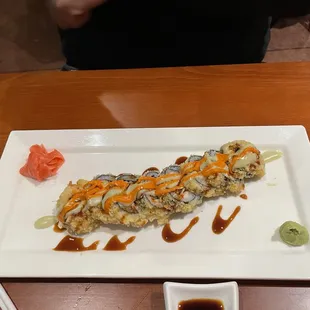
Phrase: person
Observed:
(114, 34)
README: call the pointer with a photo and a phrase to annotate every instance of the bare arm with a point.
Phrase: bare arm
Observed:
(72, 13)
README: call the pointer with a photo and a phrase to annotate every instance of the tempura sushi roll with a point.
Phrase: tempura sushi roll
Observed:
(135, 200)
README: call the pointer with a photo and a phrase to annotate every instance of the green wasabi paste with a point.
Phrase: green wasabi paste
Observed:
(293, 233)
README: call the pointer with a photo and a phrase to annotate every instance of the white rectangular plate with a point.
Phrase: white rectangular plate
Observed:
(246, 249)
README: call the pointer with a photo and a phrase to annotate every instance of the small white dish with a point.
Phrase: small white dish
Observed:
(227, 292)
(5, 301)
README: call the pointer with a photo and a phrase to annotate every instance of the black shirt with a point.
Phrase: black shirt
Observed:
(142, 33)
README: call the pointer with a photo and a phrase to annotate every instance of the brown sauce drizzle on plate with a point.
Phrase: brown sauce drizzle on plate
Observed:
(114, 244)
(74, 244)
(57, 229)
(201, 304)
(170, 236)
(180, 160)
(219, 224)
(244, 196)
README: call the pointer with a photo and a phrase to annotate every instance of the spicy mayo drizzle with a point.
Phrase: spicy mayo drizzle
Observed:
(162, 184)
(127, 198)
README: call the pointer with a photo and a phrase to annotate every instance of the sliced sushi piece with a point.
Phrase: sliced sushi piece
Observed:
(209, 176)
(181, 201)
(128, 177)
(105, 177)
(152, 172)
(245, 160)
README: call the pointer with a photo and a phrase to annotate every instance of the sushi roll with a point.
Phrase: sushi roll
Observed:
(245, 160)
(136, 200)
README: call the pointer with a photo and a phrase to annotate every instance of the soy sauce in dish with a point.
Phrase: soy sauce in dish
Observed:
(180, 160)
(114, 244)
(219, 224)
(201, 304)
(74, 244)
(170, 236)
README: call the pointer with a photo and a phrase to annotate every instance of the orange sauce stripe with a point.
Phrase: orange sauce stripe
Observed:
(188, 177)
(143, 178)
(222, 157)
(93, 184)
(127, 198)
(191, 166)
(65, 210)
(164, 191)
(215, 167)
(167, 176)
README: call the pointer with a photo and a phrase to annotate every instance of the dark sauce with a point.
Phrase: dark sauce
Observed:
(150, 169)
(114, 244)
(170, 236)
(74, 244)
(201, 304)
(57, 229)
(244, 196)
(180, 160)
(219, 224)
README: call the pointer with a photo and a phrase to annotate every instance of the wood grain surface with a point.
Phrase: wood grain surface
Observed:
(266, 94)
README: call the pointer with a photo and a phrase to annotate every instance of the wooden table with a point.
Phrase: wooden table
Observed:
(266, 94)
